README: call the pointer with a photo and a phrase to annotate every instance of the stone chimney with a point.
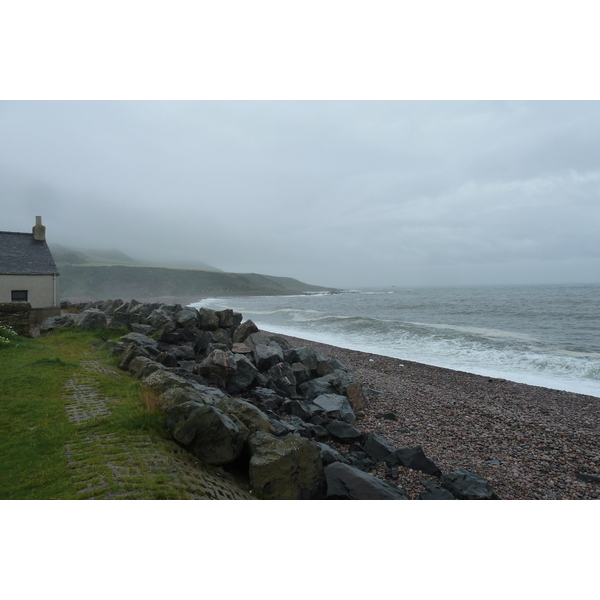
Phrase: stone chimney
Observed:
(39, 231)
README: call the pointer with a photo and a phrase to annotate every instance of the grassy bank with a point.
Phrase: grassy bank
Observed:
(35, 429)
(143, 282)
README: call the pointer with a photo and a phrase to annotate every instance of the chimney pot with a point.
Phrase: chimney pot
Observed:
(39, 231)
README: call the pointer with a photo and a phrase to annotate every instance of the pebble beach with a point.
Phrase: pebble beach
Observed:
(529, 442)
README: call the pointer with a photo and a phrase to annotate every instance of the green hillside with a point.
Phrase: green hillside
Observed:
(103, 282)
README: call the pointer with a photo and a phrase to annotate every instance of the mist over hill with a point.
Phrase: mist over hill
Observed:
(70, 256)
(102, 274)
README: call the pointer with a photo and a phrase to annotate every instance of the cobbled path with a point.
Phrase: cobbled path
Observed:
(125, 465)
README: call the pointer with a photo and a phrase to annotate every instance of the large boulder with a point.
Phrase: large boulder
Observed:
(321, 385)
(281, 378)
(52, 323)
(266, 356)
(253, 418)
(160, 381)
(244, 330)
(208, 320)
(243, 376)
(91, 319)
(377, 447)
(187, 317)
(345, 482)
(434, 492)
(287, 468)
(344, 432)
(139, 339)
(174, 396)
(207, 432)
(132, 351)
(465, 485)
(218, 366)
(328, 454)
(142, 366)
(413, 458)
(336, 407)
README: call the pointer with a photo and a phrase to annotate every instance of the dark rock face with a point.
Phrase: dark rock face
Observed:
(465, 485)
(266, 357)
(52, 323)
(336, 407)
(218, 366)
(413, 458)
(377, 447)
(243, 376)
(345, 482)
(329, 455)
(207, 432)
(244, 330)
(254, 419)
(288, 468)
(91, 319)
(208, 320)
(281, 378)
(343, 432)
(434, 492)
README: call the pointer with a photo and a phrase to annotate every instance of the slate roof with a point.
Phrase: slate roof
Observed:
(20, 254)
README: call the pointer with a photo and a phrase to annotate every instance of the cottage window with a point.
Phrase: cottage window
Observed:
(18, 296)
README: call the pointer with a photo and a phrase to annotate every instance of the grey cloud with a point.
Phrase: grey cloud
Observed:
(334, 193)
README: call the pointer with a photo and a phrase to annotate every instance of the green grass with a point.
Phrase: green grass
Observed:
(35, 430)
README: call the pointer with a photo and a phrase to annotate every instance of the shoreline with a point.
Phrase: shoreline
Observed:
(529, 442)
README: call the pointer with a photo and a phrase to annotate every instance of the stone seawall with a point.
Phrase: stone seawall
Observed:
(240, 398)
(18, 316)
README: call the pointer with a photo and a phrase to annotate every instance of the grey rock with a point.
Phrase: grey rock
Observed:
(91, 319)
(141, 328)
(329, 455)
(434, 492)
(344, 432)
(465, 485)
(52, 323)
(315, 387)
(345, 482)
(336, 407)
(160, 381)
(208, 319)
(413, 458)
(267, 356)
(243, 376)
(253, 418)
(257, 338)
(132, 351)
(288, 468)
(301, 373)
(244, 330)
(139, 339)
(207, 432)
(218, 366)
(361, 460)
(281, 378)
(377, 447)
(187, 317)
(142, 366)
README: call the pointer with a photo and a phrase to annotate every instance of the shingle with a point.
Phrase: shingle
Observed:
(20, 254)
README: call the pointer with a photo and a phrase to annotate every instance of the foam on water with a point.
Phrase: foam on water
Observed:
(544, 337)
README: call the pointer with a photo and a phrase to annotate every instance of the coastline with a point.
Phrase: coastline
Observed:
(529, 442)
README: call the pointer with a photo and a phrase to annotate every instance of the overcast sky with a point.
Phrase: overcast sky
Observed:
(334, 193)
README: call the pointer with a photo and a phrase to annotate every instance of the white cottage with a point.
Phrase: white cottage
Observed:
(28, 272)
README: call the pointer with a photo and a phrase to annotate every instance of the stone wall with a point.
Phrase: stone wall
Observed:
(17, 315)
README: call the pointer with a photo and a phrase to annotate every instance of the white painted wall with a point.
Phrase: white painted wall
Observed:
(40, 289)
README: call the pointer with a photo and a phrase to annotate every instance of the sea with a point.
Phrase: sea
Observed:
(544, 335)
